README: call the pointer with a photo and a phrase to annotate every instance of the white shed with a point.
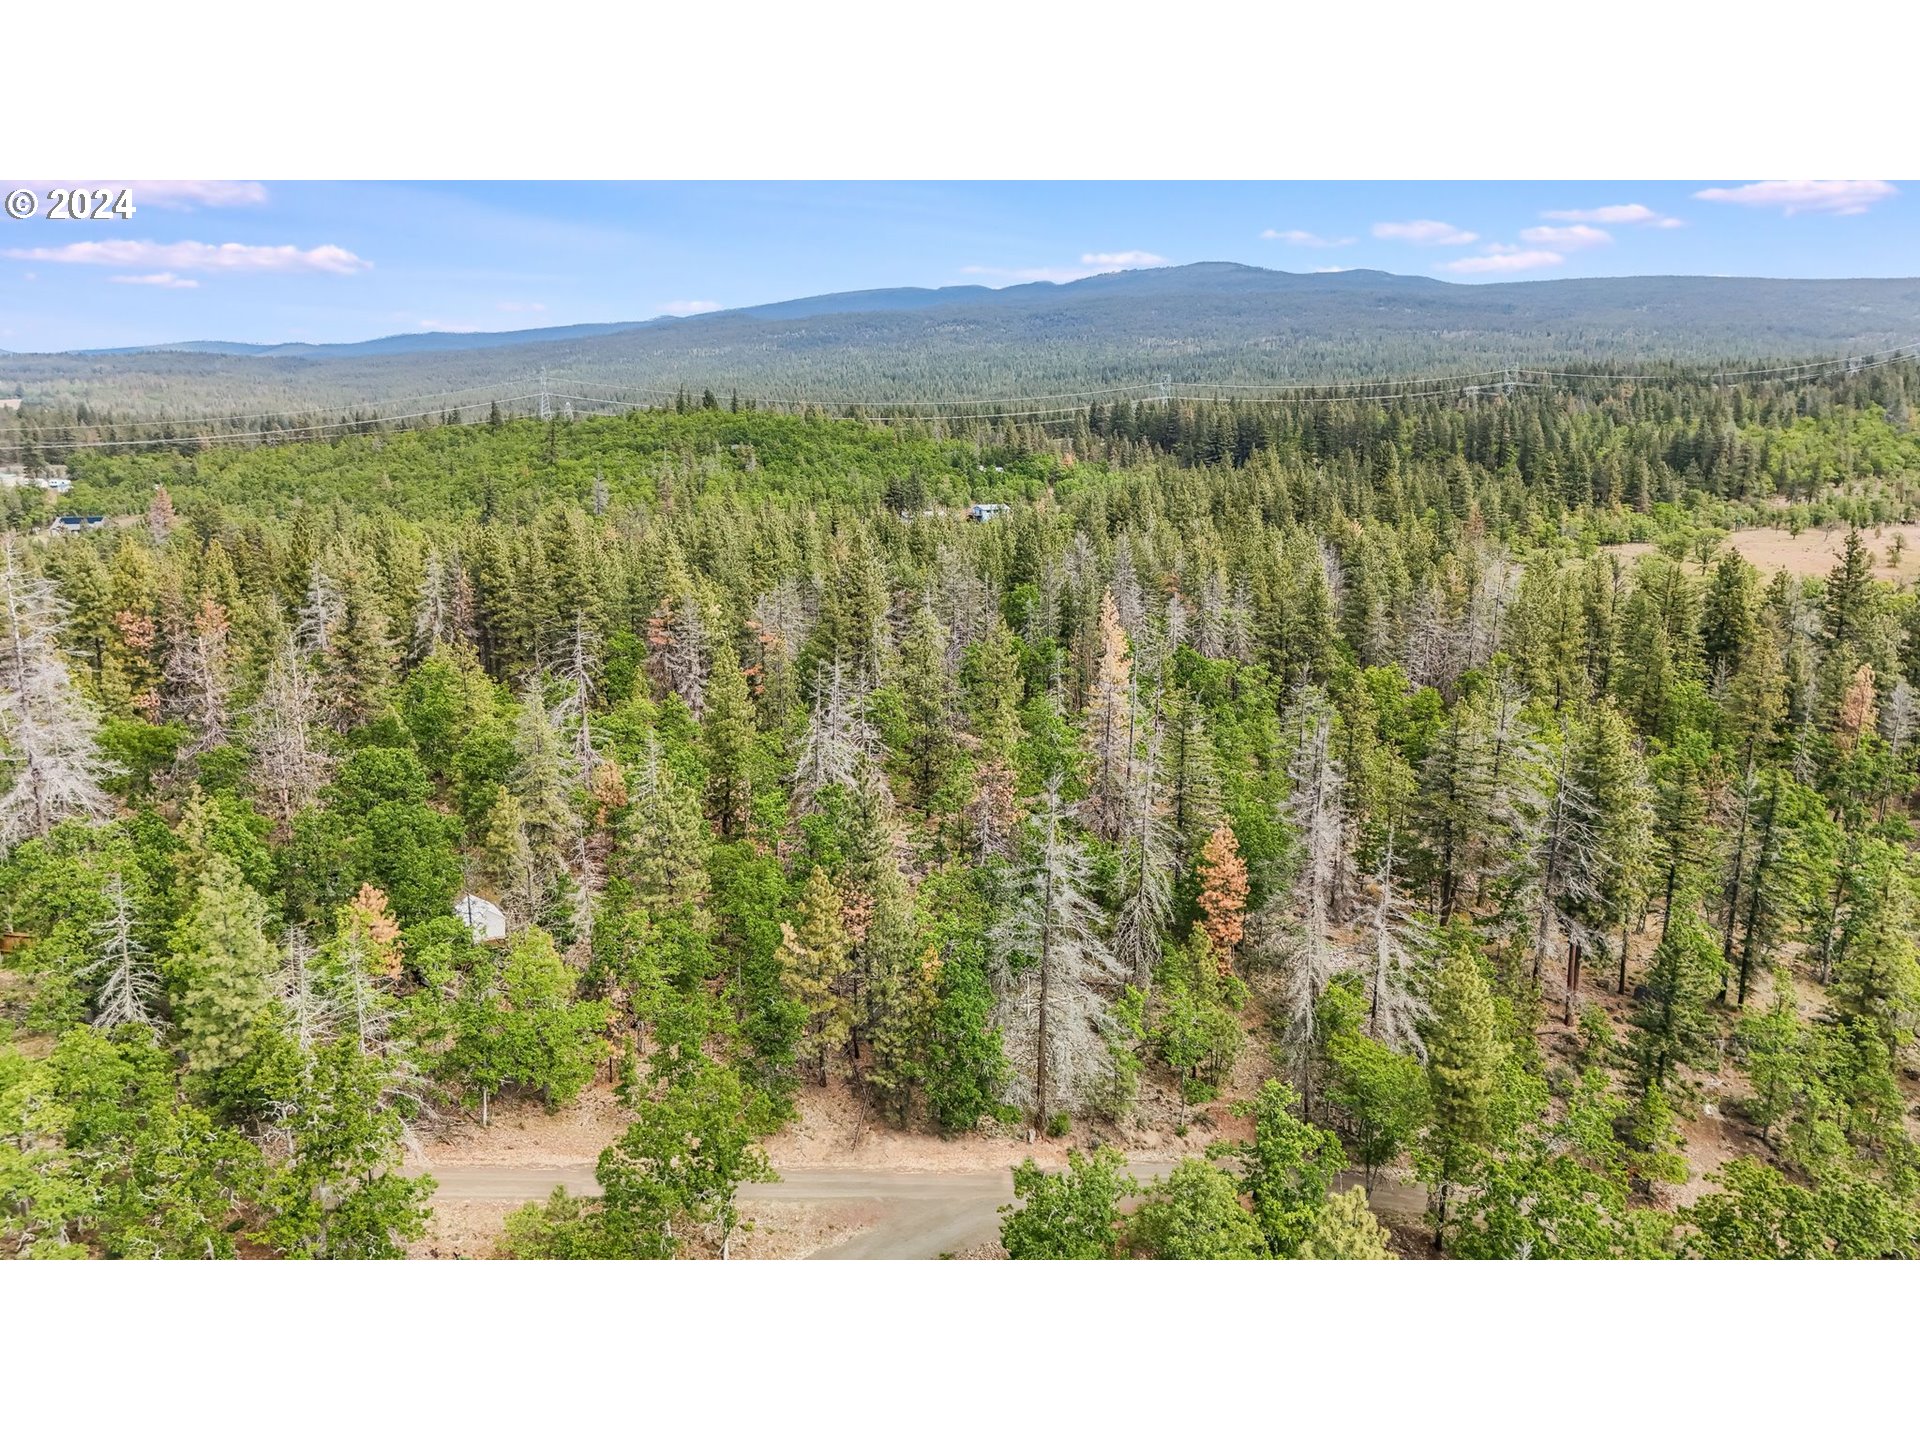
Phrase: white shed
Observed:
(485, 919)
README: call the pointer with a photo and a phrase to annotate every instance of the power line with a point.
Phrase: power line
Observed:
(306, 430)
(283, 414)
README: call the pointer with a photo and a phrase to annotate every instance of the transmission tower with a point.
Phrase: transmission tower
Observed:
(546, 399)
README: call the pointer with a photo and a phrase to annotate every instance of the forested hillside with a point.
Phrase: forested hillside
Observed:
(1198, 325)
(1311, 778)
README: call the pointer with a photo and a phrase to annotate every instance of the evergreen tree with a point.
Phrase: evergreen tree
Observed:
(1054, 966)
(1464, 1054)
(727, 728)
(1675, 1027)
(815, 966)
(221, 969)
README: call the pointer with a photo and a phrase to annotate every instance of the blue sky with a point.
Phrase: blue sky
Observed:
(274, 261)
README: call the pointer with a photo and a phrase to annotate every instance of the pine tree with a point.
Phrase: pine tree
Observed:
(1464, 1055)
(668, 846)
(1110, 724)
(541, 786)
(1675, 1026)
(1223, 895)
(1609, 772)
(1683, 836)
(894, 991)
(727, 729)
(1054, 966)
(1345, 1229)
(929, 702)
(990, 678)
(1874, 968)
(1300, 922)
(160, 516)
(221, 968)
(815, 964)
(1556, 883)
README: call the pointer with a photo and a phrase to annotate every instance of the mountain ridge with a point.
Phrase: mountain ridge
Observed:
(1208, 323)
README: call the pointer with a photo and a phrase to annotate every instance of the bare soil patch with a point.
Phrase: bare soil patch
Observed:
(1812, 552)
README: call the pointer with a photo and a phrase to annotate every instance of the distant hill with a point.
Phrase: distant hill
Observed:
(385, 344)
(1212, 323)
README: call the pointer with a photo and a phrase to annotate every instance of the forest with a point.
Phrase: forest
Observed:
(1190, 327)
(1420, 792)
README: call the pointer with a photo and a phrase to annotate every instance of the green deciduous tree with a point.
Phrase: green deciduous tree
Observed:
(1286, 1169)
(1195, 1214)
(1070, 1216)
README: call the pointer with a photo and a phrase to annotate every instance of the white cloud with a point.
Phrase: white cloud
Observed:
(1124, 259)
(197, 255)
(1567, 237)
(1305, 237)
(1020, 275)
(689, 307)
(1097, 262)
(1331, 269)
(1616, 215)
(1504, 259)
(166, 279)
(520, 306)
(1423, 232)
(447, 327)
(1818, 197)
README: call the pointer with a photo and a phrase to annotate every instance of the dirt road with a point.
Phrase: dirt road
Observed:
(926, 1215)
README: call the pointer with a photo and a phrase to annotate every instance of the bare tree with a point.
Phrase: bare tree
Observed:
(1110, 724)
(1052, 967)
(313, 1015)
(839, 743)
(579, 670)
(321, 613)
(1901, 716)
(128, 985)
(1299, 924)
(50, 762)
(289, 764)
(437, 617)
(199, 678)
(677, 649)
(1392, 946)
(1149, 860)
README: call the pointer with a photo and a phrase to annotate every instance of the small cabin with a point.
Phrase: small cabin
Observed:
(486, 920)
(990, 511)
(76, 524)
